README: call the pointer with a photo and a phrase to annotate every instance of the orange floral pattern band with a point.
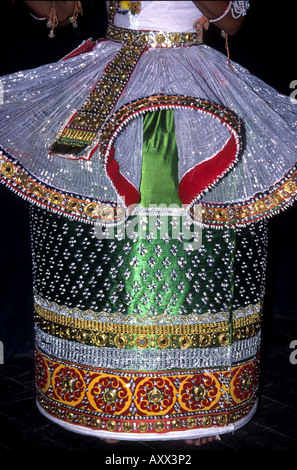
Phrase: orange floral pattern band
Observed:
(142, 402)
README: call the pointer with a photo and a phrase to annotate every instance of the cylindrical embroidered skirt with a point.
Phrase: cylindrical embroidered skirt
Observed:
(144, 337)
(148, 322)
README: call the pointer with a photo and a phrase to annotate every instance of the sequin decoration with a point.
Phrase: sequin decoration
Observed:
(153, 39)
(140, 336)
(145, 277)
(82, 128)
(146, 403)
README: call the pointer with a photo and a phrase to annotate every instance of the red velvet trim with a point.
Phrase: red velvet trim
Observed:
(125, 189)
(86, 46)
(206, 173)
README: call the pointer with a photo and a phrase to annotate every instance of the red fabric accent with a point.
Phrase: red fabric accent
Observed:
(86, 46)
(206, 173)
(123, 186)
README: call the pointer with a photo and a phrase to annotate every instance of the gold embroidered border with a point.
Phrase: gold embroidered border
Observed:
(145, 336)
(19, 181)
(255, 210)
(146, 402)
(161, 426)
(83, 127)
(159, 101)
(153, 38)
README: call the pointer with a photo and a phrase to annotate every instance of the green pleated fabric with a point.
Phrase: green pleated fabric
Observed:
(159, 180)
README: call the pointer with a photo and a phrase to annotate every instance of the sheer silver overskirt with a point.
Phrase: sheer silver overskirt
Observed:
(38, 103)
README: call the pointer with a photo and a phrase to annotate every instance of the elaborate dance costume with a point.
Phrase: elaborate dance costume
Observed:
(152, 167)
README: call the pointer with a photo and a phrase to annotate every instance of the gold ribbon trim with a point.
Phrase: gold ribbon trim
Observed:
(145, 336)
(153, 38)
(82, 128)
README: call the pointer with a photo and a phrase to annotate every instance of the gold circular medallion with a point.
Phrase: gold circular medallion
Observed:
(82, 420)
(191, 423)
(246, 381)
(73, 205)
(91, 209)
(224, 339)
(120, 341)
(199, 392)
(127, 427)
(58, 412)
(111, 425)
(107, 213)
(155, 396)
(204, 339)
(7, 169)
(56, 198)
(159, 426)
(142, 341)
(222, 419)
(143, 427)
(68, 384)
(206, 421)
(38, 191)
(184, 342)
(69, 416)
(97, 422)
(81, 336)
(110, 396)
(232, 417)
(163, 341)
(175, 424)
(101, 339)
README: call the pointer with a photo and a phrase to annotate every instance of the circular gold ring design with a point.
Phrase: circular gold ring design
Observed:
(175, 424)
(199, 392)
(191, 423)
(142, 341)
(127, 427)
(159, 425)
(143, 427)
(204, 339)
(163, 341)
(111, 425)
(155, 395)
(184, 342)
(206, 421)
(121, 341)
(222, 419)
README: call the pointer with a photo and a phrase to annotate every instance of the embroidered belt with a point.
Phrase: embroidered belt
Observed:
(153, 38)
